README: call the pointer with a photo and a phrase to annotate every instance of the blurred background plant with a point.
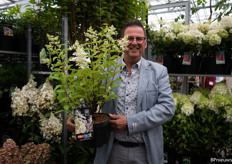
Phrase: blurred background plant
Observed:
(201, 127)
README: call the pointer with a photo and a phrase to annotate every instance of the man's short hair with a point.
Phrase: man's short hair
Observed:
(131, 23)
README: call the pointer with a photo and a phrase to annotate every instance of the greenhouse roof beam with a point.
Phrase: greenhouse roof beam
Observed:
(177, 4)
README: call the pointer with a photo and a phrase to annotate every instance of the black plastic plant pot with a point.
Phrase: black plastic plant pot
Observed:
(101, 133)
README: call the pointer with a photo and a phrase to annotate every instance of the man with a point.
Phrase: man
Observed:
(145, 102)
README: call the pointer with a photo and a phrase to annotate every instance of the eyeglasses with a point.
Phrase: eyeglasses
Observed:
(139, 40)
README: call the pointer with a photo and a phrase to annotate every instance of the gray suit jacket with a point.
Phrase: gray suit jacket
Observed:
(155, 106)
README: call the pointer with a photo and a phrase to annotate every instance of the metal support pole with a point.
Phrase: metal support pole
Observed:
(29, 51)
(65, 42)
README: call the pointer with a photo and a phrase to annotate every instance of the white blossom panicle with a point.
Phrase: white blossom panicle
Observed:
(215, 39)
(91, 34)
(193, 26)
(30, 91)
(223, 33)
(221, 89)
(175, 27)
(191, 37)
(203, 27)
(19, 103)
(230, 31)
(54, 43)
(187, 108)
(123, 43)
(226, 22)
(214, 26)
(45, 97)
(169, 37)
(213, 106)
(195, 97)
(203, 103)
(111, 31)
(80, 58)
(228, 115)
(51, 128)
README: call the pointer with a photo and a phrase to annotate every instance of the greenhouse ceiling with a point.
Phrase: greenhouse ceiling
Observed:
(160, 9)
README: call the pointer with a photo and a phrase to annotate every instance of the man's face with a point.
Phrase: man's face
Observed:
(135, 50)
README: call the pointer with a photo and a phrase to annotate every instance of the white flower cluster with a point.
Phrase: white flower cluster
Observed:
(221, 89)
(195, 34)
(187, 108)
(123, 42)
(191, 37)
(19, 103)
(45, 97)
(23, 101)
(195, 97)
(51, 128)
(228, 115)
(81, 57)
(35, 103)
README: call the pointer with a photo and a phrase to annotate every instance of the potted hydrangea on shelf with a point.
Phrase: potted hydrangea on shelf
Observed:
(87, 78)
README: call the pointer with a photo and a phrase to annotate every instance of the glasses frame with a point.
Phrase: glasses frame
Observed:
(135, 38)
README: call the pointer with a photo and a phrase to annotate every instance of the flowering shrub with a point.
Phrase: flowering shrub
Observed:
(202, 122)
(175, 38)
(91, 84)
(28, 153)
(34, 107)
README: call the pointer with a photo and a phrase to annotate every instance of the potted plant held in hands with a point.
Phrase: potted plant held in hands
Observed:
(87, 78)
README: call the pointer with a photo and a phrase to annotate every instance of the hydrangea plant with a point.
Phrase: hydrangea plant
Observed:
(34, 107)
(87, 77)
(202, 123)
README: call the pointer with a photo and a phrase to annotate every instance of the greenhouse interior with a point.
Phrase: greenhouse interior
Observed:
(58, 65)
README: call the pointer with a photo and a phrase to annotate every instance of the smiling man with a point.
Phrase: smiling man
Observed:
(145, 103)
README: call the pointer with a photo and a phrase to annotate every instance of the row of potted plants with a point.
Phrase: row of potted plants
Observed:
(209, 41)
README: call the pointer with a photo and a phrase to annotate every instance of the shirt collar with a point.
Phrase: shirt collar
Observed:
(138, 63)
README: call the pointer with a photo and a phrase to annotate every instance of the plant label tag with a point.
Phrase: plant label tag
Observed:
(211, 83)
(160, 59)
(187, 58)
(83, 124)
(220, 57)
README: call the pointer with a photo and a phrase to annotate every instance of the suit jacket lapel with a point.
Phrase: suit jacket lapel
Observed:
(142, 83)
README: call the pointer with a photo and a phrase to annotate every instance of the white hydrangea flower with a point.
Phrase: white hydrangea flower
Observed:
(215, 39)
(228, 115)
(170, 37)
(51, 128)
(221, 89)
(191, 37)
(30, 91)
(19, 103)
(213, 106)
(223, 33)
(187, 108)
(214, 26)
(45, 97)
(193, 26)
(195, 97)
(80, 58)
(111, 31)
(123, 42)
(203, 27)
(226, 22)
(91, 34)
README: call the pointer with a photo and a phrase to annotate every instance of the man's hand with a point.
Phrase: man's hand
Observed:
(70, 124)
(118, 122)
